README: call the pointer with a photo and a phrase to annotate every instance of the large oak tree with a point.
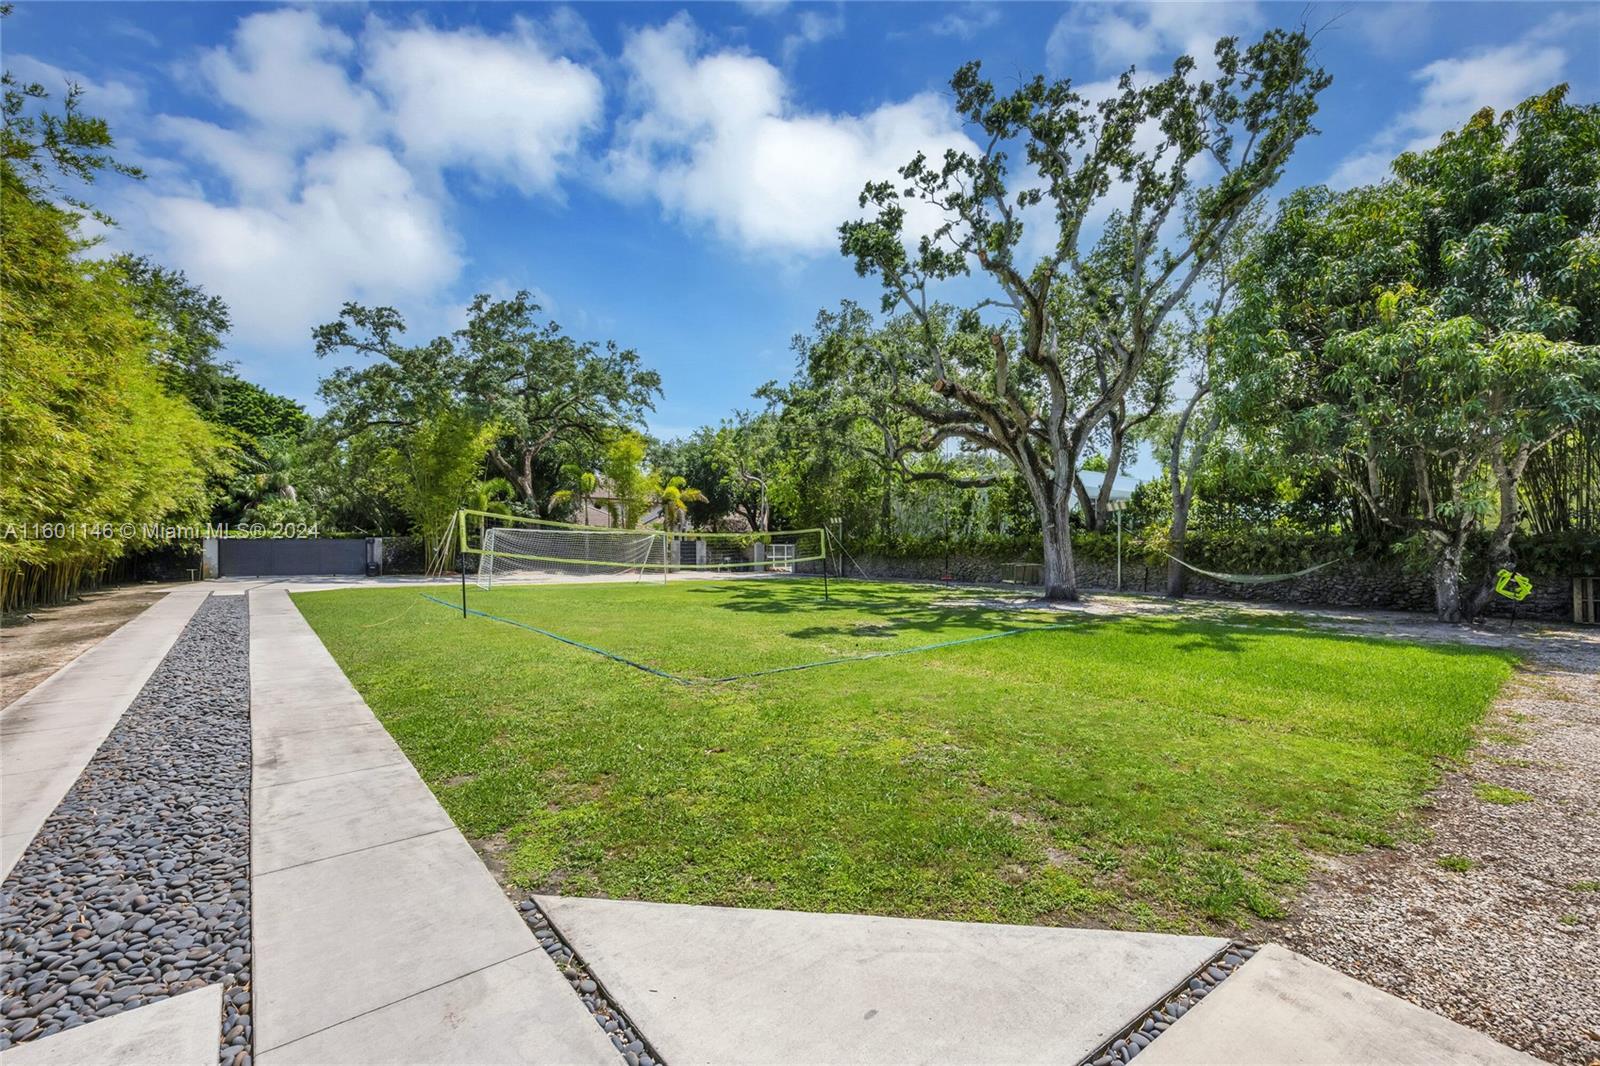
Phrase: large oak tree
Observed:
(1041, 382)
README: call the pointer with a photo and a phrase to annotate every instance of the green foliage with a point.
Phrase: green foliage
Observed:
(40, 147)
(627, 485)
(350, 483)
(1459, 864)
(1499, 794)
(89, 437)
(188, 327)
(1083, 328)
(438, 459)
(543, 388)
(1424, 338)
(553, 401)
(673, 495)
(257, 415)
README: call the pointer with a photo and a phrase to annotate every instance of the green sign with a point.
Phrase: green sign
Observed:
(1512, 585)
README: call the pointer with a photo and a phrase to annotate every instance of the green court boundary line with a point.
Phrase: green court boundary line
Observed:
(684, 680)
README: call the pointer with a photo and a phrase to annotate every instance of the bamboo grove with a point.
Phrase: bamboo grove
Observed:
(97, 446)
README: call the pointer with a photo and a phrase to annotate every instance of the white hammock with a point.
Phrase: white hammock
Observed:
(1251, 579)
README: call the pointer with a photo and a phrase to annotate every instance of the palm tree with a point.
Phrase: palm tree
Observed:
(492, 496)
(267, 475)
(674, 495)
(583, 484)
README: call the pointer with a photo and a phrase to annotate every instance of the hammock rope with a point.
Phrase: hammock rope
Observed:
(1250, 579)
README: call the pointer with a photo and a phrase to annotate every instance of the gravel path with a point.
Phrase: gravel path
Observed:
(137, 888)
(1495, 920)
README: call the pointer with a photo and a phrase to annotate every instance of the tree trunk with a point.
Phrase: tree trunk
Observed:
(1060, 570)
(1102, 499)
(1086, 505)
(1447, 581)
(1181, 480)
(1177, 573)
(1507, 476)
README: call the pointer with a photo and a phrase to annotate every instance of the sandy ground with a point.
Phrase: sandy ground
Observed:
(32, 650)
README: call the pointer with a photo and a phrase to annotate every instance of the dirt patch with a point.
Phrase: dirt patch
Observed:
(1486, 920)
(37, 644)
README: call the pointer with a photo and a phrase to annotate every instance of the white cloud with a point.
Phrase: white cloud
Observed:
(1117, 36)
(715, 139)
(966, 21)
(285, 69)
(1450, 92)
(109, 98)
(326, 183)
(813, 27)
(253, 170)
(1453, 89)
(358, 228)
(505, 107)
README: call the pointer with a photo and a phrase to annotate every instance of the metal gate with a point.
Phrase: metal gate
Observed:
(291, 556)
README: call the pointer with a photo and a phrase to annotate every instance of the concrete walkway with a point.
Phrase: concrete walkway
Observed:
(181, 1031)
(1282, 1009)
(715, 985)
(49, 735)
(379, 935)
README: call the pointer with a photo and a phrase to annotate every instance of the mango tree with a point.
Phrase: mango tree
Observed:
(1425, 337)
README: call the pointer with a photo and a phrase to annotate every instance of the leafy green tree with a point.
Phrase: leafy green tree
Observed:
(697, 458)
(492, 496)
(544, 388)
(628, 486)
(749, 454)
(844, 398)
(350, 482)
(439, 458)
(1017, 388)
(408, 398)
(1426, 337)
(189, 327)
(267, 474)
(93, 449)
(256, 414)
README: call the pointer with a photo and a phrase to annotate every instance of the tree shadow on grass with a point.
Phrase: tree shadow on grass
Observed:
(896, 610)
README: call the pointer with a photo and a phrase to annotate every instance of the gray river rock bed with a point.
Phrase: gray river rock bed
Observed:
(1145, 1029)
(137, 888)
(635, 1050)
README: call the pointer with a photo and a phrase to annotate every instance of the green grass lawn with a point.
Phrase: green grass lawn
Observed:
(1144, 773)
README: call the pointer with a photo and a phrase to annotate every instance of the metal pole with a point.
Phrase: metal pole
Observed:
(1119, 549)
(824, 563)
(461, 561)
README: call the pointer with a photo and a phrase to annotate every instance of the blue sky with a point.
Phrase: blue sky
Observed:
(668, 176)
